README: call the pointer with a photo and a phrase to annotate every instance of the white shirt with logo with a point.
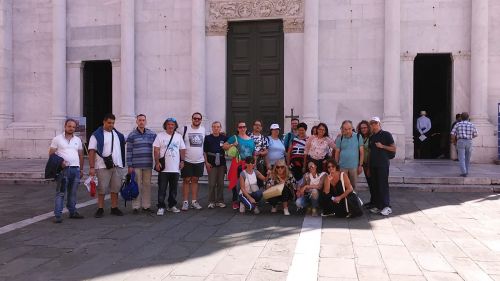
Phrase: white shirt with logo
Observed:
(106, 150)
(194, 144)
(172, 153)
(67, 150)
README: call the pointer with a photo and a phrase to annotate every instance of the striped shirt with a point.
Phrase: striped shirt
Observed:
(140, 149)
(464, 130)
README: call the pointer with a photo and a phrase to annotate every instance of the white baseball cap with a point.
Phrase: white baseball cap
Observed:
(375, 119)
(275, 127)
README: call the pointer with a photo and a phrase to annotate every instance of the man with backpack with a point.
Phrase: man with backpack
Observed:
(382, 149)
(350, 153)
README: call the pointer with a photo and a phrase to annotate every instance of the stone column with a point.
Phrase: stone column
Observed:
(407, 63)
(127, 97)
(6, 111)
(74, 75)
(58, 62)
(310, 109)
(485, 144)
(392, 121)
(198, 63)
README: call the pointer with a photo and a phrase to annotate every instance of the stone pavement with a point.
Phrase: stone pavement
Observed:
(430, 236)
(429, 175)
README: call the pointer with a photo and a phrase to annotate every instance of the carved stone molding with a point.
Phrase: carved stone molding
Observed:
(219, 12)
(406, 56)
(461, 55)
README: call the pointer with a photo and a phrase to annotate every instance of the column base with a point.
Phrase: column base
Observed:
(125, 124)
(485, 146)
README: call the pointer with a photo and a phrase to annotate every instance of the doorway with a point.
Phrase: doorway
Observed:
(97, 93)
(255, 57)
(432, 94)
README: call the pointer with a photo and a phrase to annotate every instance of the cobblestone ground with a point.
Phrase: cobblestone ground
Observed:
(430, 236)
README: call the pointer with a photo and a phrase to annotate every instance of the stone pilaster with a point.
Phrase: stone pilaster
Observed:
(58, 63)
(198, 59)
(310, 109)
(6, 111)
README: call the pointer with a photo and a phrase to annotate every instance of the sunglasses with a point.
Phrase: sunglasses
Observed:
(196, 118)
(242, 127)
(280, 167)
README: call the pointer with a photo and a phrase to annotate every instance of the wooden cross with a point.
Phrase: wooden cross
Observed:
(291, 116)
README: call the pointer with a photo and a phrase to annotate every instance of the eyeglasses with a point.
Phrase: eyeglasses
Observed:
(196, 118)
(250, 163)
(242, 127)
(280, 167)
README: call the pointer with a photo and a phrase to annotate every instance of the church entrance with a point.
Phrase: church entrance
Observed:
(97, 93)
(432, 96)
(255, 57)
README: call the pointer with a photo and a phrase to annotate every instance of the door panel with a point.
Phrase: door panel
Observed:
(255, 73)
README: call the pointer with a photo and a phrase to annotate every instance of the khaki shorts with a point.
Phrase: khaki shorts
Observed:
(109, 179)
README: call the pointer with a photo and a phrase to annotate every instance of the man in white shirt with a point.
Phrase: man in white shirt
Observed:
(69, 147)
(423, 127)
(195, 162)
(170, 146)
(107, 160)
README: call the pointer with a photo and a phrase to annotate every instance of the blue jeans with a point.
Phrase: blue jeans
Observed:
(464, 148)
(257, 196)
(67, 181)
(309, 198)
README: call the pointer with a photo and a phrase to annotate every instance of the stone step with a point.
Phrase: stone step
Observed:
(22, 175)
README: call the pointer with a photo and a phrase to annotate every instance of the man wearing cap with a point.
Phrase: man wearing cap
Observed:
(462, 134)
(170, 145)
(423, 127)
(381, 144)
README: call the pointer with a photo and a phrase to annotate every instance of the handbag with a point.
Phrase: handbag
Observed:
(273, 191)
(162, 159)
(352, 202)
(108, 160)
(233, 150)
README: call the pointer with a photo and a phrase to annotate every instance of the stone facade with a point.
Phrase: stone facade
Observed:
(337, 56)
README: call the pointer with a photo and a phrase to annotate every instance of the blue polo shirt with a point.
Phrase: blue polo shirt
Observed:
(349, 150)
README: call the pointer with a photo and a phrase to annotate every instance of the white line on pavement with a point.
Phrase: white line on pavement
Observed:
(26, 222)
(306, 259)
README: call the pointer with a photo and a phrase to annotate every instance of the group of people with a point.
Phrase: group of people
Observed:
(315, 172)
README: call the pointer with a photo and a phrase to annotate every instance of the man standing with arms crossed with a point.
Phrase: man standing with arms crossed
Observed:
(69, 147)
(140, 160)
(107, 143)
(194, 162)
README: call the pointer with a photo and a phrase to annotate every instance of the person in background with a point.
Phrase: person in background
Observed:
(423, 140)
(296, 151)
(454, 156)
(276, 150)
(314, 130)
(215, 163)
(363, 129)
(462, 135)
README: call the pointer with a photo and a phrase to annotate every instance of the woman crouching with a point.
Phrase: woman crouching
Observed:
(281, 175)
(250, 194)
(333, 197)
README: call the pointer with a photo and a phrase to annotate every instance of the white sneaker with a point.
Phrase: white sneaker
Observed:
(375, 210)
(160, 212)
(211, 205)
(286, 212)
(185, 206)
(221, 205)
(173, 210)
(196, 205)
(386, 211)
(256, 210)
(242, 208)
(274, 210)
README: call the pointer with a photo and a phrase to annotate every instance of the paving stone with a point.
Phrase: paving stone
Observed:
(442, 276)
(468, 269)
(239, 260)
(368, 256)
(225, 277)
(449, 249)
(433, 262)
(337, 268)
(17, 266)
(279, 248)
(337, 251)
(276, 264)
(14, 252)
(396, 277)
(369, 273)
(153, 272)
(398, 261)
(491, 268)
(336, 237)
(265, 275)
(183, 278)
(201, 263)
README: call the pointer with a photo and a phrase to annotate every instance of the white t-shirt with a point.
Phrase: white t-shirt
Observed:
(106, 150)
(194, 144)
(250, 181)
(172, 156)
(68, 150)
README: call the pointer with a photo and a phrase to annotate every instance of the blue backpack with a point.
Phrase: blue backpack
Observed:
(129, 189)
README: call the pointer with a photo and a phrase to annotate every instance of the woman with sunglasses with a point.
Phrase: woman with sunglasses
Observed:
(364, 130)
(308, 193)
(250, 194)
(281, 175)
(333, 196)
(318, 148)
(246, 148)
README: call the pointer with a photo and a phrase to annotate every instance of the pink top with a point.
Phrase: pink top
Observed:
(318, 148)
